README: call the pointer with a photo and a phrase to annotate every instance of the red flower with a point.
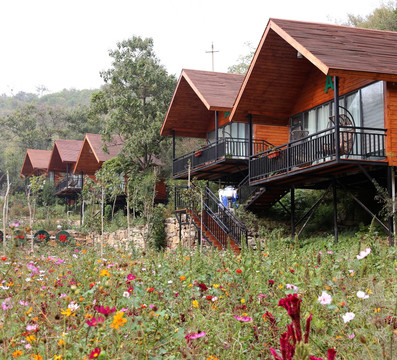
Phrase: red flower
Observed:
(92, 285)
(105, 310)
(203, 287)
(95, 321)
(64, 238)
(130, 290)
(3, 258)
(94, 354)
(271, 282)
(239, 271)
(209, 297)
(150, 289)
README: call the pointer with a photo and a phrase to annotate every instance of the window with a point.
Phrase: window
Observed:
(364, 105)
(232, 130)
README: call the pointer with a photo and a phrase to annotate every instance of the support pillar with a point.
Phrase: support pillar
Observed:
(251, 135)
(216, 134)
(293, 214)
(173, 150)
(336, 118)
(390, 188)
(335, 212)
(81, 199)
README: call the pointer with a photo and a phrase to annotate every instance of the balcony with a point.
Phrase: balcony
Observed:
(356, 145)
(69, 185)
(225, 156)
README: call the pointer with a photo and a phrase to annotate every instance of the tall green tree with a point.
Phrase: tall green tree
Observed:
(382, 18)
(134, 99)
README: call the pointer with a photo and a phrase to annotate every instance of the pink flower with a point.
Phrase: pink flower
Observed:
(293, 287)
(131, 277)
(193, 335)
(243, 318)
(352, 336)
(95, 321)
(349, 316)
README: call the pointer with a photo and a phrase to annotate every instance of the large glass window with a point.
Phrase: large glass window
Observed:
(365, 106)
(232, 130)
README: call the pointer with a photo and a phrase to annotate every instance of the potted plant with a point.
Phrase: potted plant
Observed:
(273, 153)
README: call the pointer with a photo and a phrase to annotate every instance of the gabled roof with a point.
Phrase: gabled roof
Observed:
(276, 75)
(64, 152)
(92, 156)
(197, 95)
(36, 161)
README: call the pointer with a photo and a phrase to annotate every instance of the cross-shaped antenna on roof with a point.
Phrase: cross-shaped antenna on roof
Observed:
(212, 51)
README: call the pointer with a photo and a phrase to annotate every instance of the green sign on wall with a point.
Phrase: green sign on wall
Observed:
(329, 84)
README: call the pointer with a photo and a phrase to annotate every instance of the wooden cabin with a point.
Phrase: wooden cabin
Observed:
(35, 163)
(200, 108)
(92, 156)
(61, 165)
(325, 97)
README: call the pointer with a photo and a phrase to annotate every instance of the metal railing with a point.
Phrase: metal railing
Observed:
(226, 148)
(216, 218)
(355, 143)
(69, 183)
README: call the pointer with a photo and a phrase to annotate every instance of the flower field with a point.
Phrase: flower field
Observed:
(70, 303)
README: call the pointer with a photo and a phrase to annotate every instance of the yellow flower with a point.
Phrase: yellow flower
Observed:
(58, 357)
(104, 272)
(67, 313)
(280, 286)
(37, 357)
(190, 285)
(17, 353)
(215, 286)
(118, 320)
(242, 301)
(30, 338)
(377, 310)
(61, 342)
(195, 303)
(29, 311)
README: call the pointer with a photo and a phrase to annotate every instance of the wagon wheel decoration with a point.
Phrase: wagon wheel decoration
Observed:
(41, 237)
(63, 237)
(347, 135)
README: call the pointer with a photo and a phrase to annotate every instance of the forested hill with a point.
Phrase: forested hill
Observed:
(65, 98)
(30, 121)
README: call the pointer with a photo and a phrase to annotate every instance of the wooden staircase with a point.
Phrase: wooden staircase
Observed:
(264, 197)
(220, 227)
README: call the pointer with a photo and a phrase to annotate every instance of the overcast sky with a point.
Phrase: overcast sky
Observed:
(64, 44)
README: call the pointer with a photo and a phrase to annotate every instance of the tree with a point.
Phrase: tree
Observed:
(134, 99)
(382, 18)
(244, 61)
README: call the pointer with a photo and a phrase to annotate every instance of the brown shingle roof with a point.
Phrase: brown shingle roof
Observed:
(113, 147)
(35, 160)
(336, 48)
(197, 95)
(64, 152)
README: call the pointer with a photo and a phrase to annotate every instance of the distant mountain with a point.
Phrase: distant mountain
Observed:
(66, 99)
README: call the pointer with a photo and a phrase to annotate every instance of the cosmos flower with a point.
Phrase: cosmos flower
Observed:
(243, 318)
(362, 295)
(349, 316)
(363, 253)
(324, 298)
(94, 354)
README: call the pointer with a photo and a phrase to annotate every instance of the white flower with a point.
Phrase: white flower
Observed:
(28, 279)
(349, 316)
(324, 298)
(363, 253)
(73, 306)
(293, 287)
(169, 281)
(126, 294)
(362, 295)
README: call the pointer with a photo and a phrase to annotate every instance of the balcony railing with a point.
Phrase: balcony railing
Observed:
(355, 143)
(227, 148)
(70, 183)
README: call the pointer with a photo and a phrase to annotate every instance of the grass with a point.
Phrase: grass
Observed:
(183, 304)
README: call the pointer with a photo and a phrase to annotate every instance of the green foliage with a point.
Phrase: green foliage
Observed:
(382, 18)
(244, 61)
(134, 100)
(158, 236)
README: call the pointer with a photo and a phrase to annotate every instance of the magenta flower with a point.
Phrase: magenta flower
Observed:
(105, 310)
(193, 335)
(131, 277)
(243, 318)
(95, 321)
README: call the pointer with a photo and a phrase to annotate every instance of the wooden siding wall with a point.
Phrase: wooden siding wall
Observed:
(276, 135)
(391, 123)
(223, 119)
(313, 91)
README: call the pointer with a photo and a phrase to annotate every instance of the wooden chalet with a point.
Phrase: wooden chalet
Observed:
(92, 155)
(35, 163)
(325, 97)
(61, 165)
(200, 108)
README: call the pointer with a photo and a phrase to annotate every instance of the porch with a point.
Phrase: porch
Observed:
(69, 185)
(226, 156)
(315, 156)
